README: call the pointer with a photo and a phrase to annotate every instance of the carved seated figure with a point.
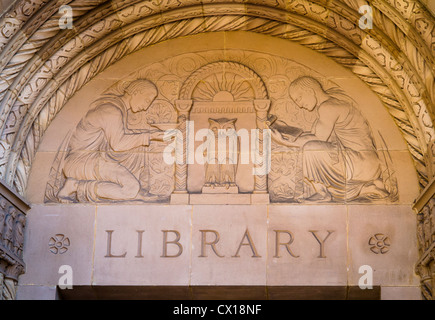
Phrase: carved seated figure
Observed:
(340, 160)
(103, 153)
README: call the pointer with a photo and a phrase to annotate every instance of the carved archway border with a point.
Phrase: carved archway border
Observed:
(384, 57)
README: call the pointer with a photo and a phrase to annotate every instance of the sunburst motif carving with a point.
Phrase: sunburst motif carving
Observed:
(224, 86)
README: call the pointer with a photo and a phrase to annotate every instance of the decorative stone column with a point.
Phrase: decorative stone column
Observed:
(261, 195)
(180, 194)
(12, 223)
(424, 206)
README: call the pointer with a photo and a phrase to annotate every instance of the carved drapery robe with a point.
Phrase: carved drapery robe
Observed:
(347, 161)
(102, 149)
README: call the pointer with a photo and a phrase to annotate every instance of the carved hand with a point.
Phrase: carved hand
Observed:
(279, 138)
(157, 135)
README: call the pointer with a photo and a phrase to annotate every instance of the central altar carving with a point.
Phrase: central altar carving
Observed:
(218, 96)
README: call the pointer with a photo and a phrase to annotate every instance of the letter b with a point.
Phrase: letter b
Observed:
(175, 242)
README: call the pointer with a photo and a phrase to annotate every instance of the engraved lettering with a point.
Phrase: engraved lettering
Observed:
(139, 243)
(278, 243)
(321, 242)
(109, 246)
(250, 243)
(175, 242)
(204, 243)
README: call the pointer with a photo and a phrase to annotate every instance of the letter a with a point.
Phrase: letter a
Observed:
(366, 280)
(250, 244)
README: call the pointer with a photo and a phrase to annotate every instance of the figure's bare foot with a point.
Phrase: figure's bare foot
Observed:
(147, 197)
(374, 190)
(320, 197)
(68, 191)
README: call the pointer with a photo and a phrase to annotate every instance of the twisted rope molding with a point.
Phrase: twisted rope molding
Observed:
(171, 23)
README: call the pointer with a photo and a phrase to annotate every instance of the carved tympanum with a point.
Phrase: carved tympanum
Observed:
(323, 148)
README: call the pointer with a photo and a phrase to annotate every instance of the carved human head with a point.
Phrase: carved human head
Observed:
(13, 211)
(140, 94)
(21, 218)
(3, 203)
(305, 92)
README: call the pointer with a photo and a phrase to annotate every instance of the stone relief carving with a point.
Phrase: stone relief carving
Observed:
(12, 224)
(411, 30)
(20, 225)
(220, 173)
(406, 23)
(59, 244)
(339, 158)
(3, 207)
(426, 245)
(8, 229)
(379, 243)
(323, 148)
(426, 226)
(20, 168)
(108, 154)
